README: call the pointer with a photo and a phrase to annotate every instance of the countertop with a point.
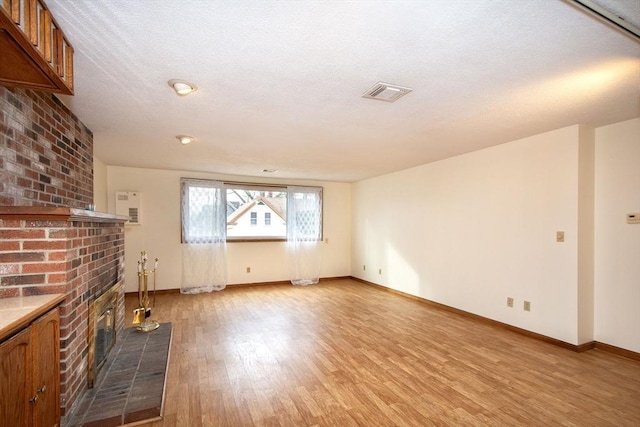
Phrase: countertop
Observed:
(16, 313)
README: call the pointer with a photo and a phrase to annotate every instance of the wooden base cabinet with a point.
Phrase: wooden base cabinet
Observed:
(30, 375)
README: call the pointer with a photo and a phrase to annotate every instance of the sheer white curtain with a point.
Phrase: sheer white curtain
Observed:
(304, 234)
(204, 236)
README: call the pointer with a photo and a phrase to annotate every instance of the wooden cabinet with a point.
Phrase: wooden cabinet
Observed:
(30, 375)
(15, 380)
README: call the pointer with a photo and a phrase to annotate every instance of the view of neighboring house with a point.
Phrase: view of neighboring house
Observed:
(261, 217)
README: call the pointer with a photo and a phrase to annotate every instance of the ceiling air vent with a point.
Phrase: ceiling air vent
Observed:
(386, 92)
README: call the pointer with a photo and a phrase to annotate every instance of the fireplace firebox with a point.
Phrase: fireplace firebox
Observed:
(102, 329)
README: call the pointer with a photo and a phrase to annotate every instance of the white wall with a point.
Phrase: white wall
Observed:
(466, 232)
(159, 233)
(617, 244)
(99, 185)
(472, 230)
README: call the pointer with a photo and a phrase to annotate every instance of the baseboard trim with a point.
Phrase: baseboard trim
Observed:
(617, 350)
(282, 282)
(559, 343)
(246, 285)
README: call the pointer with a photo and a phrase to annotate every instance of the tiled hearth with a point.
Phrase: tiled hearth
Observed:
(130, 387)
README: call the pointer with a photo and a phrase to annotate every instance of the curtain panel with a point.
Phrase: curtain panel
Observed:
(204, 236)
(304, 234)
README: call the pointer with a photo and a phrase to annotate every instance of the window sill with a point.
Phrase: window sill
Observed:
(256, 239)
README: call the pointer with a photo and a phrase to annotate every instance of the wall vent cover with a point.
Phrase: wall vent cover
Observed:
(386, 92)
(128, 204)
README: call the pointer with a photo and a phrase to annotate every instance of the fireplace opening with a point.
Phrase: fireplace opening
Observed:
(105, 334)
(102, 330)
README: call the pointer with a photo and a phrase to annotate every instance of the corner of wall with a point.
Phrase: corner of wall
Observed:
(586, 200)
(100, 185)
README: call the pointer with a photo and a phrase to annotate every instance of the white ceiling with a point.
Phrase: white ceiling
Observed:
(280, 82)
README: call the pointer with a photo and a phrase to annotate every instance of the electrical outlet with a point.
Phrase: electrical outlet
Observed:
(379, 271)
(509, 302)
(364, 268)
(560, 236)
(248, 269)
(527, 306)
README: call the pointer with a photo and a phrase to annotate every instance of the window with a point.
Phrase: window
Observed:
(202, 211)
(305, 214)
(249, 206)
(254, 212)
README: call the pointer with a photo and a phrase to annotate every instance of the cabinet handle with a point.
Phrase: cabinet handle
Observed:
(34, 399)
(42, 389)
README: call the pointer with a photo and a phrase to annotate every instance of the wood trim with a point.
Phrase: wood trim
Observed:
(248, 285)
(31, 21)
(68, 64)
(58, 51)
(576, 348)
(580, 348)
(15, 10)
(280, 282)
(45, 35)
(246, 240)
(247, 185)
(35, 62)
(617, 350)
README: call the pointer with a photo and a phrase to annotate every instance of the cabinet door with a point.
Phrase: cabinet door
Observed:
(46, 348)
(15, 380)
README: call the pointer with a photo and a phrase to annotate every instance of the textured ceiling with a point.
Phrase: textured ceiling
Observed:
(280, 83)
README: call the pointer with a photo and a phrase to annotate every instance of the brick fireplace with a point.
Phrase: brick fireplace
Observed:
(70, 251)
(49, 243)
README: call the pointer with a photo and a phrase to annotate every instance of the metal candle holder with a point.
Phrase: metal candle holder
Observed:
(143, 311)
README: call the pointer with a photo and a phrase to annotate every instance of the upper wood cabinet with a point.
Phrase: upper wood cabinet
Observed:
(34, 53)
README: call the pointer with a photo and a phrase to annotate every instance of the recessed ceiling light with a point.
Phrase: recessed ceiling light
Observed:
(182, 87)
(184, 139)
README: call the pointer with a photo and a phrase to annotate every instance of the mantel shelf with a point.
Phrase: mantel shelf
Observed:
(46, 213)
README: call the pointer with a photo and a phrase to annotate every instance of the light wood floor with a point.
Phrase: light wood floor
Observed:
(343, 353)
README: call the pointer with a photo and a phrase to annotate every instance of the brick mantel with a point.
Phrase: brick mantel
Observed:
(76, 252)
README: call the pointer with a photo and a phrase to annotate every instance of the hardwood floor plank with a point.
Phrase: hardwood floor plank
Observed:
(342, 353)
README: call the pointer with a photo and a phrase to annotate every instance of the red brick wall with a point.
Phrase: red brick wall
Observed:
(78, 258)
(46, 159)
(46, 153)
